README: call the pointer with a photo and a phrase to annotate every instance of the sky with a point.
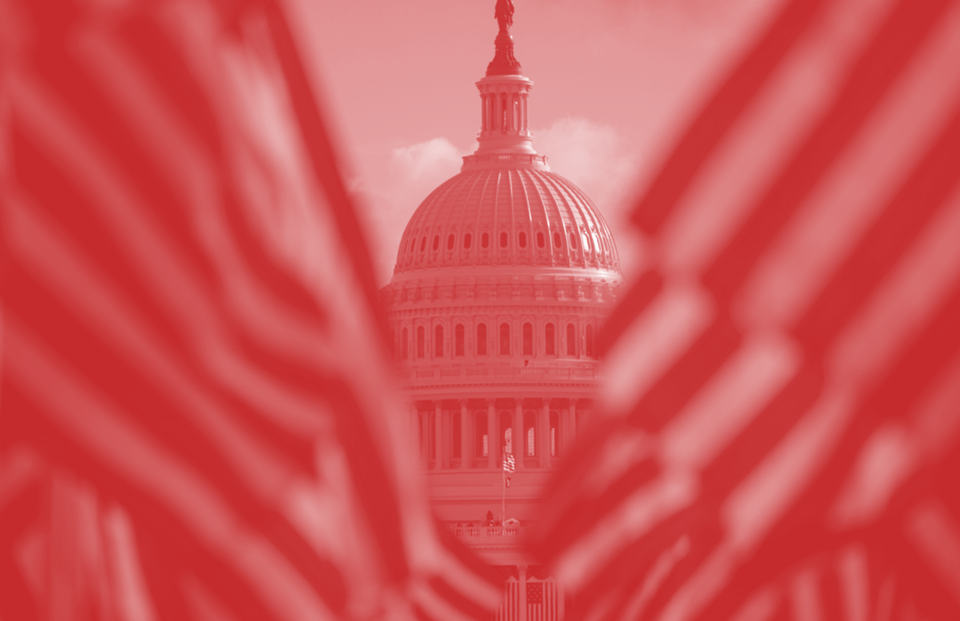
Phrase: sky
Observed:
(615, 82)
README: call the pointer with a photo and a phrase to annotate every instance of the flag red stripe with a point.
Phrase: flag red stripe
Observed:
(891, 48)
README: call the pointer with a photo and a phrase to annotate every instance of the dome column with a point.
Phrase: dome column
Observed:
(466, 433)
(523, 114)
(424, 437)
(438, 435)
(571, 426)
(543, 435)
(518, 439)
(493, 430)
(483, 113)
(413, 422)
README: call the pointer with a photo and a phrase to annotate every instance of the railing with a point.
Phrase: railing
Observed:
(471, 373)
(486, 531)
(474, 534)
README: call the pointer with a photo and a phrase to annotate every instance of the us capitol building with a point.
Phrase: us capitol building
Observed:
(503, 277)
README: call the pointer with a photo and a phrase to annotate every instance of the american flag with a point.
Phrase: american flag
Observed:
(189, 333)
(509, 463)
(187, 431)
(782, 416)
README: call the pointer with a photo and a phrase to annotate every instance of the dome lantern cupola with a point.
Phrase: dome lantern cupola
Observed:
(505, 138)
(506, 210)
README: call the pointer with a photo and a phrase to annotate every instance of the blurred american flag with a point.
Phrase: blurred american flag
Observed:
(785, 380)
(197, 416)
(197, 412)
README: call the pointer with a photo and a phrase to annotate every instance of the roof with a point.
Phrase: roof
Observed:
(507, 217)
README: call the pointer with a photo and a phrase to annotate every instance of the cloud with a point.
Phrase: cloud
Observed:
(595, 157)
(389, 193)
(598, 160)
(426, 161)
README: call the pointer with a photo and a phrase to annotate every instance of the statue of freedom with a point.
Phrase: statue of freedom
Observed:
(504, 14)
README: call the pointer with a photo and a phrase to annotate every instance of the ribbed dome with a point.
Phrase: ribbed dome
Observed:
(507, 216)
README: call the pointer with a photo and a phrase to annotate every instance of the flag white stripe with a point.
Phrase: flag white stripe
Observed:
(850, 196)
(467, 583)
(805, 599)
(896, 449)
(767, 491)
(621, 451)
(434, 605)
(138, 458)
(647, 506)
(706, 582)
(729, 401)
(937, 420)
(854, 583)
(173, 151)
(759, 146)
(176, 289)
(655, 339)
(760, 606)
(910, 294)
(79, 287)
(936, 537)
(884, 460)
(661, 569)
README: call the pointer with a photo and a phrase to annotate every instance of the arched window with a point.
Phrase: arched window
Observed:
(557, 240)
(573, 240)
(554, 433)
(436, 242)
(522, 239)
(458, 340)
(404, 344)
(481, 441)
(540, 239)
(466, 241)
(589, 343)
(482, 339)
(530, 433)
(455, 451)
(550, 339)
(438, 342)
(421, 338)
(527, 339)
(571, 340)
(586, 242)
(504, 239)
(423, 243)
(450, 241)
(485, 240)
(504, 339)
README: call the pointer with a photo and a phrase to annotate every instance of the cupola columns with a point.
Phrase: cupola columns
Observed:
(503, 110)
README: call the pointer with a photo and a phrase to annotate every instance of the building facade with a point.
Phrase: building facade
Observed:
(503, 277)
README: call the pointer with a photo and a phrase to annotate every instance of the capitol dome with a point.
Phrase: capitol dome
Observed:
(504, 276)
(508, 212)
